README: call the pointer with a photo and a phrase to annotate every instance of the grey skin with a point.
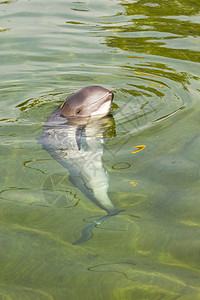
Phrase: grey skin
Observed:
(74, 136)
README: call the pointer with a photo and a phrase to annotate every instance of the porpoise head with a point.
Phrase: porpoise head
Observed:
(91, 101)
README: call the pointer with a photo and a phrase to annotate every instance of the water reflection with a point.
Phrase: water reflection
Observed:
(8, 2)
(151, 30)
(170, 8)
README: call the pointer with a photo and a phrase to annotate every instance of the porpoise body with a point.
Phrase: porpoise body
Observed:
(74, 136)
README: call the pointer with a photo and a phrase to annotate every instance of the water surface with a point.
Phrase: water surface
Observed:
(147, 53)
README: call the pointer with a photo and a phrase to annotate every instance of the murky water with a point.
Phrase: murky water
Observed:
(147, 53)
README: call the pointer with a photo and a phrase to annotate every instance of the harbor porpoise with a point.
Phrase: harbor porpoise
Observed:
(74, 136)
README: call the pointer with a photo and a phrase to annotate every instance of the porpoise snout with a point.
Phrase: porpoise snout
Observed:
(88, 102)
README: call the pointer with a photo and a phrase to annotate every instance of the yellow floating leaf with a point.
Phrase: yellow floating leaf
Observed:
(138, 73)
(160, 85)
(133, 183)
(138, 148)
(130, 56)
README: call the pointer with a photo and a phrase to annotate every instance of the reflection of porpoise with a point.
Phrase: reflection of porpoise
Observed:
(73, 136)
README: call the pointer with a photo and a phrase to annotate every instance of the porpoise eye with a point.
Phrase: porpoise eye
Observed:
(78, 111)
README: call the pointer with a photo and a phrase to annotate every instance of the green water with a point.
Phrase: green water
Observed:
(147, 53)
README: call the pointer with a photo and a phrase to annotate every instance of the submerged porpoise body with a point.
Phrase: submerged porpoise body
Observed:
(74, 136)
